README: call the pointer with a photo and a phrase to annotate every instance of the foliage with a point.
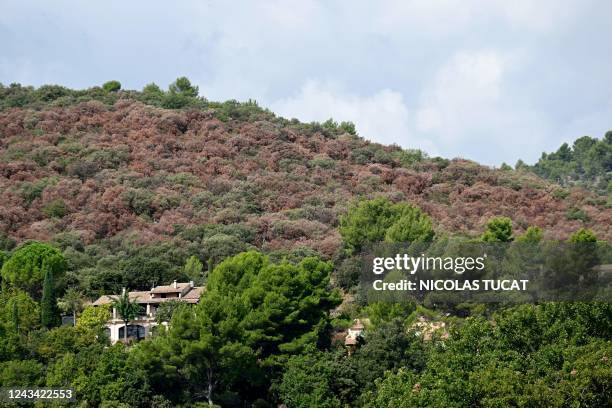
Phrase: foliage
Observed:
(116, 377)
(253, 316)
(3, 258)
(193, 270)
(588, 162)
(499, 229)
(348, 271)
(138, 188)
(19, 372)
(26, 267)
(49, 315)
(146, 171)
(18, 311)
(532, 356)
(411, 226)
(375, 220)
(71, 302)
(221, 246)
(112, 86)
(532, 235)
(387, 348)
(583, 235)
(577, 214)
(93, 318)
(6, 243)
(56, 209)
(127, 309)
(166, 310)
(183, 86)
(318, 379)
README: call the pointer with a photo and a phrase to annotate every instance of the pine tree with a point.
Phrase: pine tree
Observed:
(193, 269)
(49, 316)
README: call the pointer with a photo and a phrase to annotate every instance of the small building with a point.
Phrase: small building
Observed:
(353, 335)
(427, 329)
(149, 300)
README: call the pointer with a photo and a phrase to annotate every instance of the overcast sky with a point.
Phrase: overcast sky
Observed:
(487, 80)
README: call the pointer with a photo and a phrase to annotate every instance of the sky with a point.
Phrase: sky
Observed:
(491, 81)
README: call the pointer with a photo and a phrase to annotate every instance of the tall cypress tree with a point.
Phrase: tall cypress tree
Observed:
(16, 316)
(49, 316)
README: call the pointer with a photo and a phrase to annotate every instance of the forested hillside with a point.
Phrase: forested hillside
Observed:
(105, 188)
(587, 163)
(109, 174)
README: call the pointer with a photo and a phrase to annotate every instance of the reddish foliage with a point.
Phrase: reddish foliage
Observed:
(189, 168)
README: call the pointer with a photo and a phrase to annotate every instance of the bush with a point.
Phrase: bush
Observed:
(376, 220)
(183, 86)
(56, 209)
(499, 229)
(112, 86)
(575, 213)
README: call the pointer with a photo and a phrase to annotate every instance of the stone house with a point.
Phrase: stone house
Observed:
(149, 301)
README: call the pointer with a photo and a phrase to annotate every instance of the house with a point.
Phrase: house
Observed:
(149, 300)
(427, 328)
(354, 334)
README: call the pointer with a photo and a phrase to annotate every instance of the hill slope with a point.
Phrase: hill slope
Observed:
(129, 189)
(103, 170)
(588, 163)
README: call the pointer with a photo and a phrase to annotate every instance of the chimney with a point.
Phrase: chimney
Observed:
(191, 284)
(174, 284)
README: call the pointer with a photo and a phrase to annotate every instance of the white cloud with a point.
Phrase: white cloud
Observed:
(464, 110)
(463, 90)
(291, 14)
(471, 107)
(489, 80)
(382, 116)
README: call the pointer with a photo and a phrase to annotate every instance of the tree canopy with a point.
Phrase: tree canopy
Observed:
(370, 221)
(26, 267)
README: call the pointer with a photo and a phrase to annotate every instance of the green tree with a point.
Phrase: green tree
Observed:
(220, 246)
(193, 269)
(49, 316)
(532, 235)
(583, 235)
(4, 256)
(152, 94)
(388, 347)
(166, 310)
(112, 86)
(6, 242)
(348, 127)
(586, 163)
(412, 226)
(116, 377)
(127, 309)
(71, 302)
(21, 373)
(92, 320)
(183, 86)
(19, 311)
(366, 222)
(499, 229)
(552, 354)
(56, 209)
(318, 379)
(25, 269)
(371, 221)
(253, 316)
